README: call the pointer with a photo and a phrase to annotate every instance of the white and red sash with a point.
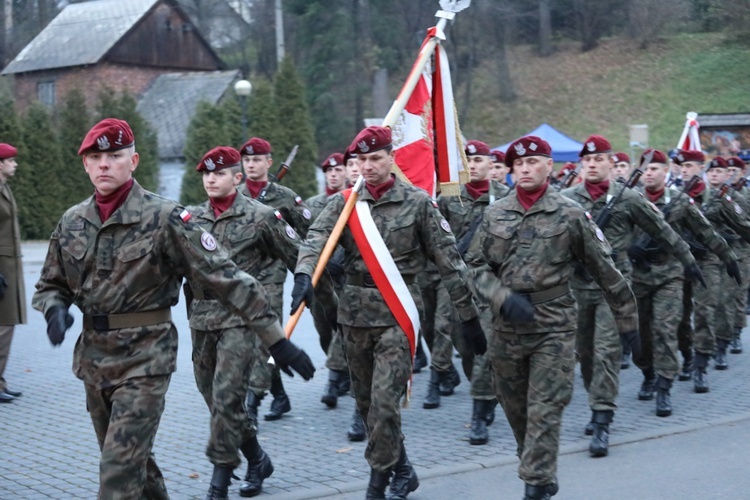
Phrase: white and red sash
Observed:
(383, 270)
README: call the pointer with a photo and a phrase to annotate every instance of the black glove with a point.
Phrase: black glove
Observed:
(3, 286)
(517, 309)
(694, 274)
(637, 253)
(733, 270)
(633, 339)
(286, 355)
(58, 321)
(474, 336)
(303, 290)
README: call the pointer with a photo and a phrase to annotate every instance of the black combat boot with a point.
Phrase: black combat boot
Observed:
(736, 345)
(404, 480)
(432, 400)
(356, 431)
(721, 354)
(219, 488)
(687, 368)
(331, 396)
(259, 467)
(478, 433)
(252, 402)
(599, 445)
(449, 381)
(700, 377)
(420, 359)
(648, 386)
(378, 484)
(540, 492)
(589, 430)
(280, 403)
(663, 399)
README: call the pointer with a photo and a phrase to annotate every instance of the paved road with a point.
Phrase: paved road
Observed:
(48, 448)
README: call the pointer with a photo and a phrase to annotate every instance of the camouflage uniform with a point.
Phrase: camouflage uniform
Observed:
(532, 252)
(224, 349)
(658, 285)
(736, 318)
(316, 204)
(376, 347)
(597, 343)
(116, 272)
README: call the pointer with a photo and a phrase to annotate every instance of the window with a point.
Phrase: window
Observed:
(46, 93)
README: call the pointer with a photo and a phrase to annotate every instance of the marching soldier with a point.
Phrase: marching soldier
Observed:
(334, 170)
(120, 256)
(622, 169)
(597, 343)
(378, 310)
(499, 171)
(530, 241)
(736, 168)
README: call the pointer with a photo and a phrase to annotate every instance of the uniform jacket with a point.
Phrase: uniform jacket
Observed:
(13, 305)
(725, 213)
(135, 262)
(316, 204)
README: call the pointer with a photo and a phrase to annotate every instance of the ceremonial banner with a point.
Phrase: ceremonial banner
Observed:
(690, 138)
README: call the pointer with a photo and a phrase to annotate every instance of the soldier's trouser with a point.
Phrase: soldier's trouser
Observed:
(448, 335)
(126, 418)
(325, 331)
(727, 307)
(221, 365)
(705, 300)
(740, 320)
(335, 358)
(428, 288)
(685, 332)
(659, 313)
(481, 373)
(380, 365)
(6, 337)
(534, 384)
(599, 349)
(260, 370)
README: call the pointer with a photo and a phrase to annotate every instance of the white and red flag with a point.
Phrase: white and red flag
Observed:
(690, 138)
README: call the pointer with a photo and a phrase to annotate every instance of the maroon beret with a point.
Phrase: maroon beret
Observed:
(497, 156)
(684, 155)
(109, 134)
(658, 157)
(529, 145)
(7, 151)
(620, 157)
(371, 139)
(218, 158)
(348, 155)
(256, 146)
(595, 144)
(717, 162)
(735, 162)
(477, 148)
(336, 159)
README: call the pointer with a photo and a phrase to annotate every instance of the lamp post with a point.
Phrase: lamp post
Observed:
(243, 88)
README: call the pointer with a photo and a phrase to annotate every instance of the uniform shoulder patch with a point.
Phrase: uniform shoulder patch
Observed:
(445, 226)
(306, 213)
(277, 214)
(290, 232)
(434, 203)
(185, 215)
(588, 215)
(298, 200)
(208, 241)
(737, 209)
(599, 233)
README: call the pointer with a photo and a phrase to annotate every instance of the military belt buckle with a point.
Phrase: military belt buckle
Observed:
(100, 322)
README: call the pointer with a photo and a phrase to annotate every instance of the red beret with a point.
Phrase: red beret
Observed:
(109, 134)
(371, 139)
(565, 168)
(7, 151)
(735, 162)
(620, 157)
(497, 156)
(477, 148)
(219, 158)
(717, 162)
(658, 157)
(530, 145)
(684, 155)
(348, 155)
(256, 146)
(336, 159)
(595, 144)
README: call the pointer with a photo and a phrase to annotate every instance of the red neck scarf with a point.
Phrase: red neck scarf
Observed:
(331, 192)
(528, 198)
(652, 196)
(380, 189)
(109, 203)
(597, 190)
(477, 188)
(698, 189)
(221, 205)
(255, 187)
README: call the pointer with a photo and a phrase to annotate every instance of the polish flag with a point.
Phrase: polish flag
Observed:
(690, 139)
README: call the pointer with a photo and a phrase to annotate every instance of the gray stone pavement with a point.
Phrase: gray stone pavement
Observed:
(48, 448)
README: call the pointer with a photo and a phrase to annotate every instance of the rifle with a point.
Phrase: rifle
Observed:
(603, 218)
(569, 177)
(283, 169)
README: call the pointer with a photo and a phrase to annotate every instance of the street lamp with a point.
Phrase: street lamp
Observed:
(243, 88)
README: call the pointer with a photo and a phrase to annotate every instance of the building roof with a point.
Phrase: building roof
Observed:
(81, 34)
(170, 103)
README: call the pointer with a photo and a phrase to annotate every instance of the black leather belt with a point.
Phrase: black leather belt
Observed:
(106, 322)
(367, 281)
(546, 295)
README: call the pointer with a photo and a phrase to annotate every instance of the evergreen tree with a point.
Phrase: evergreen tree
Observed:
(10, 126)
(292, 111)
(231, 109)
(37, 189)
(74, 122)
(262, 117)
